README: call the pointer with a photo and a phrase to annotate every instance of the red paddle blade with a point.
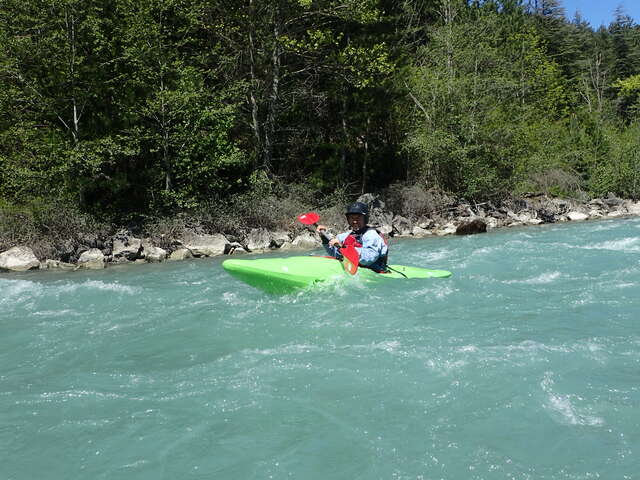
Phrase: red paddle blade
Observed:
(309, 218)
(350, 259)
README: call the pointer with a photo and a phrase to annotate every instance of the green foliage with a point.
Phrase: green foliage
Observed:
(620, 173)
(475, 96)
(132, 110)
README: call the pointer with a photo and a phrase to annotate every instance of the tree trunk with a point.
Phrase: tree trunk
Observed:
(164, 128)
(365, 160)
(270, 124)
(70, 23)
(255, 123)
(345, 142)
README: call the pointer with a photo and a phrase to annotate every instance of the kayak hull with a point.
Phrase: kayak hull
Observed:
(286, 275)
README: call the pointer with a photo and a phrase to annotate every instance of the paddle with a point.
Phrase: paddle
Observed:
(350, 256)
(350, 259)
(311, 218)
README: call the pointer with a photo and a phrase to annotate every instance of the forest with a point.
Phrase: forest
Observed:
(125, 111)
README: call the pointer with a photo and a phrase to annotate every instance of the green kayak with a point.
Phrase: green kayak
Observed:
(284, 275)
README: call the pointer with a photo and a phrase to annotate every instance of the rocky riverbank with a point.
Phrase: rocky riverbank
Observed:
(446, 216)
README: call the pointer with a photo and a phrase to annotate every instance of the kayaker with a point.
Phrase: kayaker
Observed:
(369, 243)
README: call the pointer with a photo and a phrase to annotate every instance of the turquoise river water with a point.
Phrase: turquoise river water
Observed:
(525, 364)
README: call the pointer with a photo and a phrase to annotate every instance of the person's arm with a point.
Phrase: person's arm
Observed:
(331, 246)
(372, 248)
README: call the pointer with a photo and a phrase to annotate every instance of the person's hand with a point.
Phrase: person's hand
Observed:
(334, 242)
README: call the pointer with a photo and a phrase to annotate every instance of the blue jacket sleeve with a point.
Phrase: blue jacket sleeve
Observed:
(373, 247)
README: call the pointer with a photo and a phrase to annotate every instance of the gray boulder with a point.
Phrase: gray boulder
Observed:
(92, 259)
(234, 248)
(125, 247)
(50, 264)
(577, 216)
(206, 245)
(154, 254)
(151, 253)
(278, 239)
(402, 226)
(18, 259)
(259, 239)
(633, 208)
(448, 229)
(613, 201)
(616, 213)
(372, 201)
(180, 254)
(306, 240)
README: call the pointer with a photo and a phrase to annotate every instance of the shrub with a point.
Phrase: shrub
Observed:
(48, 227)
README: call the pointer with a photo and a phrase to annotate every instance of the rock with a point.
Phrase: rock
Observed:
(420, 232)
(577, 216)
(372, 201)
(425, 223)
(522, 218)
(18, 259)
(633, 208)
(278, 239)
(206, 245)
(616, 213)
(448, 229)
(151, 253)
(377, 214)
(402, 226)
(598, 203)
(471, 227)
(546, 216)
(535, 221)
(512, 215)
(386, 229)
(181, 254)
(92, 259)
(127, 247)
(154, 254)
(492, 223)
(380, 218)
(306, 240)
(259, 239)
(118, 260)
(561, 206)
(57, 264)
(66, 251)
(613, 201)
(234, 248)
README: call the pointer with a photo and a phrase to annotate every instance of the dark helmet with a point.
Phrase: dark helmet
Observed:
(359, 207)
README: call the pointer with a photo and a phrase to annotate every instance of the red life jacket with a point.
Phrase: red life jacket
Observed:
(353, 239)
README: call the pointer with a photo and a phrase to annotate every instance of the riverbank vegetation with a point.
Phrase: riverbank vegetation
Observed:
(242, 113)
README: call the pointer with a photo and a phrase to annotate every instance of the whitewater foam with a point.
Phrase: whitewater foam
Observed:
(548, 277)
(99, 285)
(564, 406)
(627, 245)
(18, 290)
